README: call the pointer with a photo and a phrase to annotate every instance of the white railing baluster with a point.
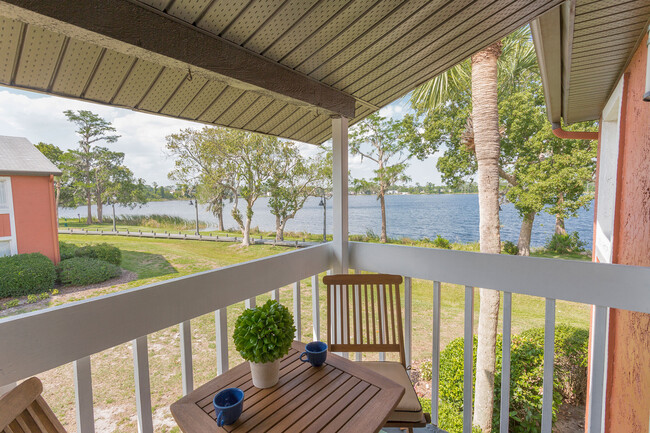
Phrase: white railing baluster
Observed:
(315, 306)
(187, 371)
(249, 303)
(408, 321)
(382, 321)
(468, 360)
(275, 294)
(142, 386)
(435, 354)
(598, 368)
(296, 310)
(505, 363)
(549, 356)
(83, 386)
(221, 325)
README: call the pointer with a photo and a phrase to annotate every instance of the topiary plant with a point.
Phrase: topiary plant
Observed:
(265, 333)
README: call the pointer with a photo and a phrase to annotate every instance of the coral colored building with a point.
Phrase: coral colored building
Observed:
(28, 214)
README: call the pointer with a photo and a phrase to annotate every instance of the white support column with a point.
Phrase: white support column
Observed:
(221, 325)
(142, 386)
(186, 357)
(296, 310)
(435, 353)
(505, 362)
(249, 303)
(468, 363)
(83, 387)
(315, 305)
(275, 294)
(340, 193)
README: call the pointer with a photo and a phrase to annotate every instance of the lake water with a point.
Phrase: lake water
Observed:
(453, 216)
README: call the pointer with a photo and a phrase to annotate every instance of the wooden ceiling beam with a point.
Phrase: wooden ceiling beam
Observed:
(146, 33)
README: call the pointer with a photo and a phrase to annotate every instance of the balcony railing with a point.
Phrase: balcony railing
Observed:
(39, 341)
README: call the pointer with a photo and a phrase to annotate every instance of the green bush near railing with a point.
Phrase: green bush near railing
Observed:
(526, 378)
(26, 274)
(105, 252)
(79, 271)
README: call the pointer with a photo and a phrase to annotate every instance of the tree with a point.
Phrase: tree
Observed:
(55, 155)
(107, 167)
(293, 180)
(386, 142)
(124, 189)
(91, 128)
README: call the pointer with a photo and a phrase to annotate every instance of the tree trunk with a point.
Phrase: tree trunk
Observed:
(485, 116)
(279, 232)
(100, 209)
(524, 234)
(114, 222)
(559, 220)
(246, 232)
(89, 202)
(220, 219)
(382, 202)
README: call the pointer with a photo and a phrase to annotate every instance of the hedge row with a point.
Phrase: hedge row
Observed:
(105, 252)
(79, 271)
(26, 274)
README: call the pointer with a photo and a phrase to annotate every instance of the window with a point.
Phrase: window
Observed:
(5, 248)
(4, 202)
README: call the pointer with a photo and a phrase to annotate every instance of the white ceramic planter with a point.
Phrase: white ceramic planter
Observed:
(265, 375)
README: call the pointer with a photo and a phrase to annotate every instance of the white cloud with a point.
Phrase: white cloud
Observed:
(40, 118)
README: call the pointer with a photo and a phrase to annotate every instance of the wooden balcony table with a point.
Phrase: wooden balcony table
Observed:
(341, 395)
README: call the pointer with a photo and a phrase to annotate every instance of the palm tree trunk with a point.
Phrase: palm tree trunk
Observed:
(523, 245)
(485, 116)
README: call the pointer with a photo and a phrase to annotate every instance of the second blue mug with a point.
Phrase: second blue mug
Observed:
(228, 405)
(315, 353)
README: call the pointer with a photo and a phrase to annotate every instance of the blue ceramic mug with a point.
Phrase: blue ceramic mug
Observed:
(316, 353)
(228, 405)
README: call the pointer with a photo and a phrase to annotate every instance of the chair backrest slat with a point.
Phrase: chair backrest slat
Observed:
(375, 306)
(24, 410)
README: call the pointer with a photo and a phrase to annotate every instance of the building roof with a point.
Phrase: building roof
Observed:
(583, 49)
(20, 157)
(276, 67)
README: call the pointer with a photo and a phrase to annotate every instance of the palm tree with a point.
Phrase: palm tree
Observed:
(494, 70)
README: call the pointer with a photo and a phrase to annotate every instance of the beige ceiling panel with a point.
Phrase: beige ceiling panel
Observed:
(300, 114)
(222, 103)
(587, 39)
(10, 35)
(415, 37)
(268, 112)
(309, 117)
(137, 83)
(38, 58)
(108, 77)
(238, 107)
(448, 37)
(278, 118)
(251, 19)
(333, 29)
(379, 37)
(253, 110)
(318, 126)
(615, 28)
(614, 18)
(612, 41)
(220, 15)
(304, 28)
(583, 15)
(203, 100)
(79, 62)
(183, 96)
(375, 17)
(421, 69)
(158, 4)
(278, 24)
(188, 10)
(162, 90)
(593, 5)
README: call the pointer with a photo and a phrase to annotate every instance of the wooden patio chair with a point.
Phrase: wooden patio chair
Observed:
(23, 410)
(370, 313)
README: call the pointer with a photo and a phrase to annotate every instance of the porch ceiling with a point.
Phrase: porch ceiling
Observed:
(279, 67)
(584, 47)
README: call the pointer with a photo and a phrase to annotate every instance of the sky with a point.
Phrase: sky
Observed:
(40, 118)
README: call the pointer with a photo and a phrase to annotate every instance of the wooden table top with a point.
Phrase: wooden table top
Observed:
(339, 396)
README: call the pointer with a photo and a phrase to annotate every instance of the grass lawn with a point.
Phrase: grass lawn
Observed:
(159, 259)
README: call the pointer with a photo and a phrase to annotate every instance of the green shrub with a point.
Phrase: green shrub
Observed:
(440, 242)
(9, 304)
(563, 244)
(265, 333)
(526, 377)
(105, 252)
(80, 271)
(510, 248)
(23, 274)
(67, 250)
